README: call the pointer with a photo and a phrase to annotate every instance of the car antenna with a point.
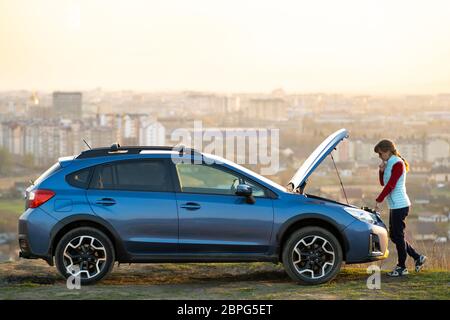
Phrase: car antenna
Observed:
(87, 144)
(340, 180)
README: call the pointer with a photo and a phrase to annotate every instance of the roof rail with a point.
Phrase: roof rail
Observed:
(116, 149)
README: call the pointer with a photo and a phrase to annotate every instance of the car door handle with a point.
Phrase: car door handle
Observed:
(106, 202)
(191, 206)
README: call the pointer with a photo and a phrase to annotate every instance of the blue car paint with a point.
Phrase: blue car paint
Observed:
(36, 225)
(147, 224)
(356, 234)
(224, 224)
(146, 221)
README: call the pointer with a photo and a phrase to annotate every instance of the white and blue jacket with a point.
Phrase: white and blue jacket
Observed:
(397, 198)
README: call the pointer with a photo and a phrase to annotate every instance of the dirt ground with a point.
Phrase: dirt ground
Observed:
(34, 279)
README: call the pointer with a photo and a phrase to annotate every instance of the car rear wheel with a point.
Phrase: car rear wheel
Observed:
(312, 255)
(85, 252)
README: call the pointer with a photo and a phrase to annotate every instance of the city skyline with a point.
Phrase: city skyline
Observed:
(375, 48)
(53, 125)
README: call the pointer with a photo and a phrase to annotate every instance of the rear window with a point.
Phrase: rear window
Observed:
(79, 179)
(143, 175)
(47, 173)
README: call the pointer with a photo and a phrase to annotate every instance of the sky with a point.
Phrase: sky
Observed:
(345, 46)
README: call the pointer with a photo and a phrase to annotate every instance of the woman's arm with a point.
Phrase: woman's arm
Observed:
(380, 176)
(382, 166)
(396, 173)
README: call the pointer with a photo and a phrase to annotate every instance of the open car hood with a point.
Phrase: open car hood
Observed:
(320, 153)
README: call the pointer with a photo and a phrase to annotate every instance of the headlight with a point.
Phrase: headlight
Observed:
(360, 214)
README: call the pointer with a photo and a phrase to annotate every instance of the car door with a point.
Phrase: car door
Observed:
(212, 219)
(138, 200)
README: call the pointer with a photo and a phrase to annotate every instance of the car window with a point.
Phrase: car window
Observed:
(257, 190)
(103, 177)
(79, 179)
(200, 178)
(145, 175)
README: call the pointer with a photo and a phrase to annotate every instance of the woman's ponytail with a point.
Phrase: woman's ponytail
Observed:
(404, 160)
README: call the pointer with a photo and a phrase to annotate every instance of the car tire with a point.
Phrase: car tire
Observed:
(317, 263)
(88, 249)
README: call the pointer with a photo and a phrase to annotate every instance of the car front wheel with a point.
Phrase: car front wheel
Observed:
(312, 255)
(86, 253)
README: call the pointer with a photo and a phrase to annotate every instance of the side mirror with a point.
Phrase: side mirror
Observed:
(246, 191)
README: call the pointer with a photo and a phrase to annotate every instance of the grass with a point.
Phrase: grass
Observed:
(12, 206)
(10, 210)
(35, 280)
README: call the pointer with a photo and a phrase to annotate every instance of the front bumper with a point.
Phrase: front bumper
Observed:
(366, 242)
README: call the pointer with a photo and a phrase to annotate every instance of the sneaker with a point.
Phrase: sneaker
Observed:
(419, 262)
(398, 272)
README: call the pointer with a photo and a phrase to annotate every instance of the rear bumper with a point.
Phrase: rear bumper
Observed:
(26, 253)
(34, 235)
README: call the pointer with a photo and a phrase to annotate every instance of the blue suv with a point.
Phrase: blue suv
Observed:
(165, 204)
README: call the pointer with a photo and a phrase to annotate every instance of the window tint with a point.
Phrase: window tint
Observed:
(145, 175)
(103, 177)
(79, 179)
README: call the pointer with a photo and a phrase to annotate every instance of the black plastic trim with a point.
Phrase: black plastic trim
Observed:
(108, 151)
(307, 216)
(121, 253)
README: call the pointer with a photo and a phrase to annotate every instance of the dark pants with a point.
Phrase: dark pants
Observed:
(397, 227)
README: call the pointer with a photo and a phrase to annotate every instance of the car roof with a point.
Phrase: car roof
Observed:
(116, 149)
(117, 152)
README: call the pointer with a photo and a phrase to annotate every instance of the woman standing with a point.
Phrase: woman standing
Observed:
(392, 176)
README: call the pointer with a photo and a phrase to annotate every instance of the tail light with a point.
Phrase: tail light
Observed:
(38, 197)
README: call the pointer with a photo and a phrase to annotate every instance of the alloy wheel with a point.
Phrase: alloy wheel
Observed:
(313, 257)
(84, 256)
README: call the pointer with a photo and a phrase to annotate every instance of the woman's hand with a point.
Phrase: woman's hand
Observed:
(382, 165)
(377, 206)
